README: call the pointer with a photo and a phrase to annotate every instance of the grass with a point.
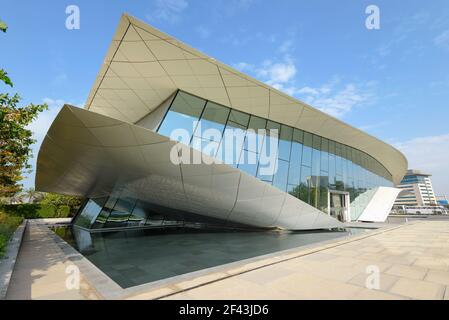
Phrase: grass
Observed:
(8, 224)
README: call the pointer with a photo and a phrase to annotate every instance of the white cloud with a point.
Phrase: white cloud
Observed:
(429, 154)
(40, 126)
(277, 74)
(336, 99)
(167, 10)
(442, 40)
(332, 97)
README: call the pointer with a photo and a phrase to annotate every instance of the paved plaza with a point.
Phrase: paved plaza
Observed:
(412, 261)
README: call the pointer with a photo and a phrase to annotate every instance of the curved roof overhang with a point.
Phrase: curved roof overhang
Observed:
(144, 66)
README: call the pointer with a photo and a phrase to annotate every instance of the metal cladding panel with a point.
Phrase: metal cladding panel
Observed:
(380, 205)
(92, 155)
(144, 66)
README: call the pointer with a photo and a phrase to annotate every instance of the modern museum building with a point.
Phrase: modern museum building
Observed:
(170, 137)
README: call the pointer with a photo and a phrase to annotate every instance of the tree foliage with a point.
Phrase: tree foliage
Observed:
(15, 137)
(3, 26)
(5, 78)
(58, 201)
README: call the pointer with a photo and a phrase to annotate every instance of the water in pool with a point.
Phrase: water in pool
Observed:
(132, 258)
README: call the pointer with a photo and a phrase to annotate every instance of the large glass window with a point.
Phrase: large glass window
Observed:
(138, 216)
(304, 187)
(316, 155)
(332, 165)
(255, 135)
(212, 122)
(90, 212)
(307, 165)
(323, 195)
(120, 213)
(325, 155)
(239, 118)
(285, 142)
(183, 114)
(307, 150)
(280, 178)
(294, 172)
(233, 138)
(248, 162)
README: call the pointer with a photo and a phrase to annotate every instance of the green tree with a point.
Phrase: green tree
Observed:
(58, 201)
(15, 138)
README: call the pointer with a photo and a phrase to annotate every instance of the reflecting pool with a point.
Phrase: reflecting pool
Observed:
(136, 257)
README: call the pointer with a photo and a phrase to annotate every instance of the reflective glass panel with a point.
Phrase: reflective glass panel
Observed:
(304, 187)
(90, 212)
(280, 178)
(255, 135)
(307, 150)
(294, 173)
(212, 122)
(248, 162)
(183, 114)
(285, 142)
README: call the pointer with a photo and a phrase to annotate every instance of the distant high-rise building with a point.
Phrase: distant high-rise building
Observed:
(418, 190)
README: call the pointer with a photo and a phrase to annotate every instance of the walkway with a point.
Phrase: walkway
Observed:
(40, 271)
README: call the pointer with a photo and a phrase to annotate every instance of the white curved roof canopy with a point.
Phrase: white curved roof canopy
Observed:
(144, 66)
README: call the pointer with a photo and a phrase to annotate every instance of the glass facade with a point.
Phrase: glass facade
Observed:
(307, 165)
(122, 211)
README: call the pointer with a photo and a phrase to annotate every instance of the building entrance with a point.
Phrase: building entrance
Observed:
(339, 205)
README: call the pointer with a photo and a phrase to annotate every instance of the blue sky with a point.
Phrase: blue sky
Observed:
(392, 83)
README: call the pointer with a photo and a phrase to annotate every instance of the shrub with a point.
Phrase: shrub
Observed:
(8, 224)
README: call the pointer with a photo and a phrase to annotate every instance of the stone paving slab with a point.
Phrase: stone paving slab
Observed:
(412, 261)
(40, 271)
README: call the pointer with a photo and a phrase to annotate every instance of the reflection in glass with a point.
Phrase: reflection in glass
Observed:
(304, 186)
(248, 162)
(183, 114)
(90, 212)
(308, 165)
(307, 150)
(255, 134)
(285, 142)
(138, 217)
(294, 172)
(280, 178)
(214, 117)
